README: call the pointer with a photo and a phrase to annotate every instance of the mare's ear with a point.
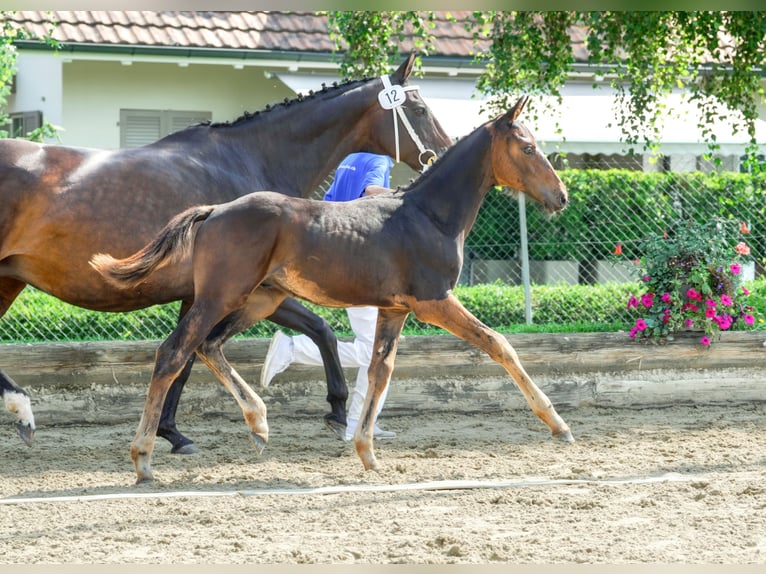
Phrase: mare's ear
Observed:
(404, 70)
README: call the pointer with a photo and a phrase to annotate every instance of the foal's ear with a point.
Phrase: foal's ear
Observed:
(404, 70)
(513, 114)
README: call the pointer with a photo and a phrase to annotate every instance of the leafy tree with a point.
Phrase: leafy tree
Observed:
(8, 35)
(716, 57)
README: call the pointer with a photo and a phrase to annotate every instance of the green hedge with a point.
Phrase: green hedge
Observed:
(608, 207)
(556, 308)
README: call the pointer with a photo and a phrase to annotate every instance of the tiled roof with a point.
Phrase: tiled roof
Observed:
(300, 32)
(274, 31)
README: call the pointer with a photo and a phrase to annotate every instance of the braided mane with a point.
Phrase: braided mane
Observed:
(335, 86)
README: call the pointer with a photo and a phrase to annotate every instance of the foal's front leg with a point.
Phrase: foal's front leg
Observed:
(387, 333)
(450, 314)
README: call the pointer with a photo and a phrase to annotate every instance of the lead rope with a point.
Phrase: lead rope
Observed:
(392, 97)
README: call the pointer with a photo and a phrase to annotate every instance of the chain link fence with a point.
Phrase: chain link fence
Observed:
(614, 204)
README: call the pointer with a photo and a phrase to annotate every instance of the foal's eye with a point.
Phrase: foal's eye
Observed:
(529, 150)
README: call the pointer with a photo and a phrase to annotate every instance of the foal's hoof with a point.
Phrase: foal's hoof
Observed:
(145, 479)
(188, 448)
(564, 436)
(259, 443)
(26, 432)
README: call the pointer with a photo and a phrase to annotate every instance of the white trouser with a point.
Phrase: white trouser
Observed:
(356, 353)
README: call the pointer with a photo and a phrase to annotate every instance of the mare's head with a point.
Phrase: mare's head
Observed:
(519, 164)
(398, 105)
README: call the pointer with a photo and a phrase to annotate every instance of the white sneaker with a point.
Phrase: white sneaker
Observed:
(278, 357)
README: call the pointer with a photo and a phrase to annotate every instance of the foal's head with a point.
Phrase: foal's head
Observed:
(519, 164)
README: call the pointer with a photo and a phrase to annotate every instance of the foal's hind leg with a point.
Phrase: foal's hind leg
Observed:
(172, 355)
(16, 399)
(167, 428)
(450, 314)
(261, 303)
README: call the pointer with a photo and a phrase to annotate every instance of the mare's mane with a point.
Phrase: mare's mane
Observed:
(247, 116)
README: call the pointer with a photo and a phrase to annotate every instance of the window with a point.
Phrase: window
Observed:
(141, 127)
(21, 123)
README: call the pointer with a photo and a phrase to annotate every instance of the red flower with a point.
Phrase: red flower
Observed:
(618, 249)
(743, 228)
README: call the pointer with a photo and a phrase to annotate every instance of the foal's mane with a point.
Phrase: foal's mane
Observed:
(312, 95)
(423, 178)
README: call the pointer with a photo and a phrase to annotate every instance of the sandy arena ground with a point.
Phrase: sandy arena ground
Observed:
(673, 485)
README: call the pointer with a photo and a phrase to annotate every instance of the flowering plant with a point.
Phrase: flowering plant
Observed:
(691, 279)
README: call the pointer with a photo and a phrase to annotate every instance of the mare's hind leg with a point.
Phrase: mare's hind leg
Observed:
(16, 399)
(293, 315)
(262, 302)
(450, 314)
(167, 428)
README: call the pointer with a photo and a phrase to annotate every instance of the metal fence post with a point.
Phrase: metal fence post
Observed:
(525, 259)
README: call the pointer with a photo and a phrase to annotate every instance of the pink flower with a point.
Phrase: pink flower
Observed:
(710, 312)
(749, 319)
(745, 291)
(646, 278)
(742, 248)
(640, 325)
(647, 299)
(710, 303)
(736, 268)
(665, 297)
(633, 302)
(688, 323)
(726, 300)
(705, 341)
(633, 333)
(692, 294)
(724, 322)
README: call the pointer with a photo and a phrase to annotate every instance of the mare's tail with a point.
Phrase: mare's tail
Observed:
(170, 245)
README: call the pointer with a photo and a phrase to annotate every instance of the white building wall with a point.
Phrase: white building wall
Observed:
(95, 91)
(38, 86)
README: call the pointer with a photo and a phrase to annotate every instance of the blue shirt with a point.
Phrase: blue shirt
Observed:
(356, 172)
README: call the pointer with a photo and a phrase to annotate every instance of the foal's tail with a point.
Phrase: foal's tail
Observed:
(170, 245)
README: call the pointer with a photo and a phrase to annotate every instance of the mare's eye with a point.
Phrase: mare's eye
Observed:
(529, 150)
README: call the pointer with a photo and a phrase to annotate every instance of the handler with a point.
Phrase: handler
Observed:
(359, 174)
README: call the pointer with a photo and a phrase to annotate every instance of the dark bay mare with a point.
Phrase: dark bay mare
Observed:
(400, 251)
(60, 205)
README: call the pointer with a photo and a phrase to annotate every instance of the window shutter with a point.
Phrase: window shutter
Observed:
(142, 127)
(139, 127)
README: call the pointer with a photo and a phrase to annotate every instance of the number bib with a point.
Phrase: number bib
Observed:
(390, 97)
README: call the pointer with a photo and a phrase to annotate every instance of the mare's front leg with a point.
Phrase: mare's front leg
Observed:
(387, 331)
(293, 315)
(450, 314)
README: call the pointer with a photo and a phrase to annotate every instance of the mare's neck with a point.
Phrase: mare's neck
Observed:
(302, 142)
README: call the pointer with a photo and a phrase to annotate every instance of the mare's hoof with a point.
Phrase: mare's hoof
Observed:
(188, 448)
(144, 480)
(259, 443)
(338, 429)
(564, 436)
(26, 432)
